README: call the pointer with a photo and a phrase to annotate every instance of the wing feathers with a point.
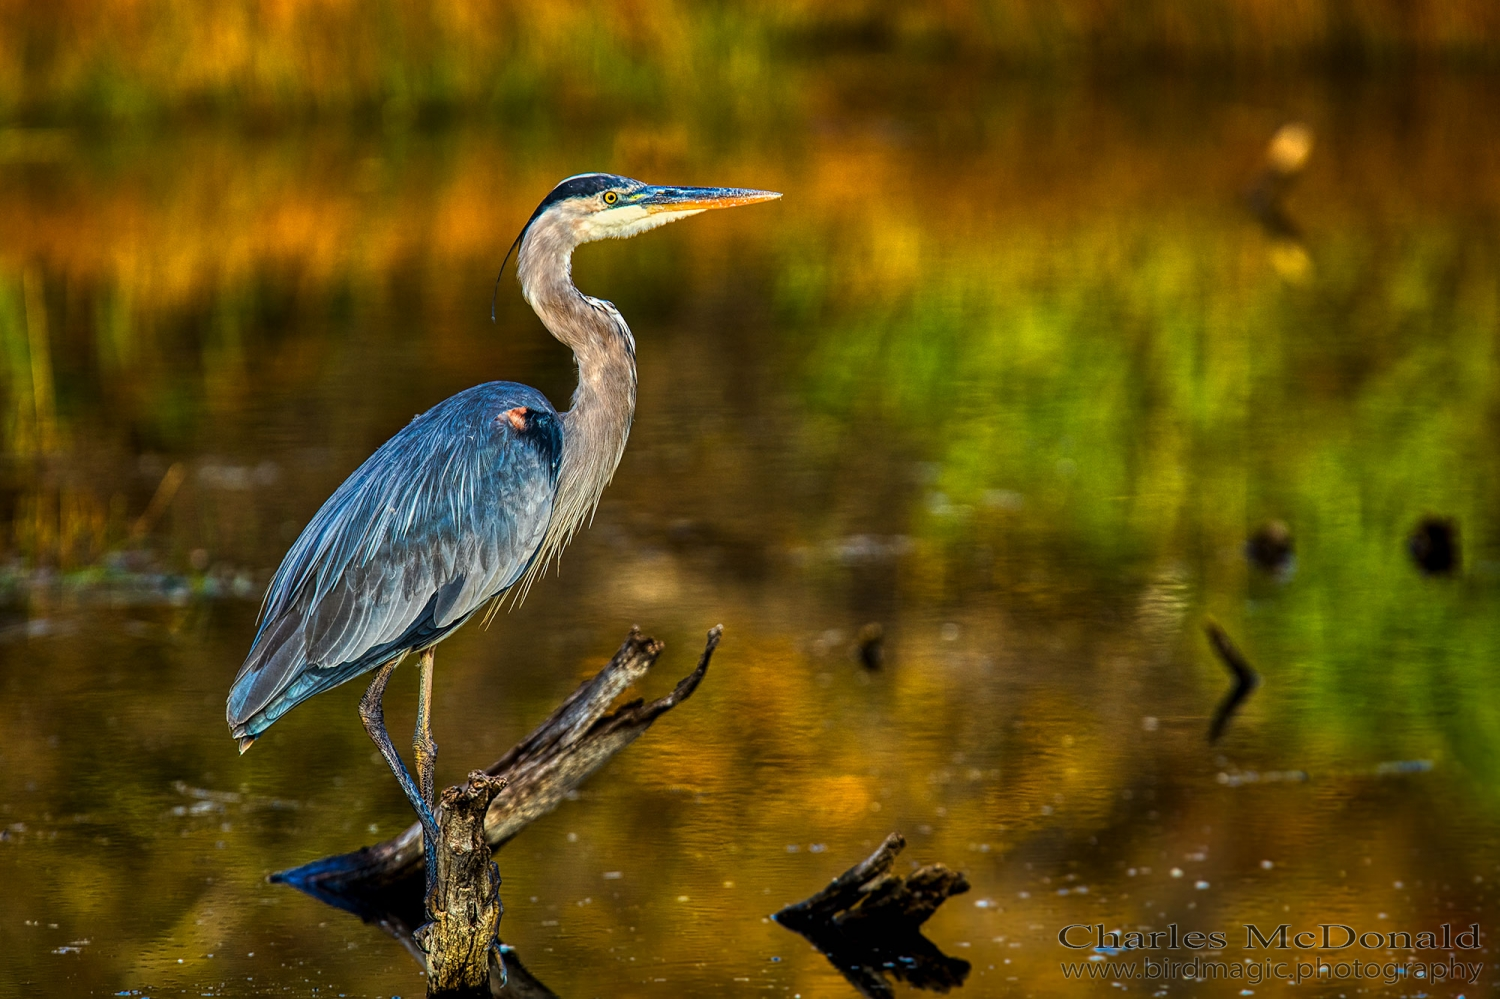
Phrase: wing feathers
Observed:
(445, 515)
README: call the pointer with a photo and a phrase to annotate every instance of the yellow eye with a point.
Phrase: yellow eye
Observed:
(610, 197)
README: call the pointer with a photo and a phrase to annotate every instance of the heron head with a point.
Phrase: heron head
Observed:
(593, 206)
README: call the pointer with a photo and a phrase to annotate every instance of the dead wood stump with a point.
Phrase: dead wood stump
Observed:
(464, 906)
(383, 884)
(867, 923)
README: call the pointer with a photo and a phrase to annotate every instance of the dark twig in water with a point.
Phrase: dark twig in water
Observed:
(383, 884)
(1245, 679)
(1434, 546)
(872, 645)
(1271, 548)
(867, 923)
(1286, 158)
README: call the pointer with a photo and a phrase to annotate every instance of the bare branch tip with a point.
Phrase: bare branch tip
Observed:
(640, 643)
(709, 648)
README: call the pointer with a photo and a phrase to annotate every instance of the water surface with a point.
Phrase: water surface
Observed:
(1011, 371)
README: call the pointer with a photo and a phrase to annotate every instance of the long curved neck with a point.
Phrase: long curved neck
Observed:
(597, 425)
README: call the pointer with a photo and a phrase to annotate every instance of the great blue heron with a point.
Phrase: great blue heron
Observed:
(472, 498)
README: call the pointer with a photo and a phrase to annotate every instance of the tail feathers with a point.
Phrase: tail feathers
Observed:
(312, 680)
(278, 676)
(273, 664)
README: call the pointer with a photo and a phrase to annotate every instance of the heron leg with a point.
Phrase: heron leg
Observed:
(373, 715)
(424, 751)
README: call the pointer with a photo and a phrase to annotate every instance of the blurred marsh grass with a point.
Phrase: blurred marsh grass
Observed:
(123, 59)
(1139, 410)
(1082, 315)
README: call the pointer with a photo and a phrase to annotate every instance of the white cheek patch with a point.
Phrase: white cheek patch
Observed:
(625, 221)
(611, 219)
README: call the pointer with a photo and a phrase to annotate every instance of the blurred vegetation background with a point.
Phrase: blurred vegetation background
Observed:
(127, 58)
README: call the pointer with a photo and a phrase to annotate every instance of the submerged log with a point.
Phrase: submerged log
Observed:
(867, 923)
(383, 884)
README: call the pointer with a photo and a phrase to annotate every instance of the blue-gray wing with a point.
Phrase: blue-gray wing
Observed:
(446, 515)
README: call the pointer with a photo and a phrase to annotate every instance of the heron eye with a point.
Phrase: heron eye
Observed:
(610, 197)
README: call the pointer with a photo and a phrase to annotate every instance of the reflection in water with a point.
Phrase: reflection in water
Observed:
(1012, 376)
(1245, 679)
(871, 641)
(868, 921)
(871, 965)
(1271, 548)
(396, 907)
(1434, 546)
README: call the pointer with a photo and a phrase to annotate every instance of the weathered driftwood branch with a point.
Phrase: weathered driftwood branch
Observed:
(868, 897)
(383, 884)
(867, 923)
